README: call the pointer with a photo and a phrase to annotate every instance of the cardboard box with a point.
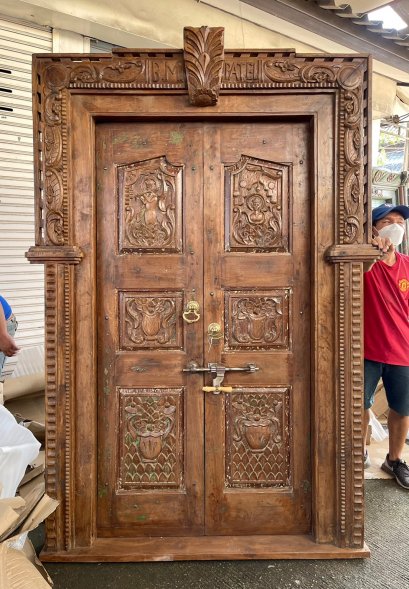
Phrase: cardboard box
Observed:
(19, 565)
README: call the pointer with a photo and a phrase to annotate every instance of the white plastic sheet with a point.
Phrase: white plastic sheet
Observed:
(18, 448)
(378, 433)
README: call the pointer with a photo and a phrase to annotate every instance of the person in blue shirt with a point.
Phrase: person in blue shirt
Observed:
(8, 326)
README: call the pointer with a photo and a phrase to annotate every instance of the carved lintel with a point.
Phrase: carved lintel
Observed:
(204, 58)
(69, 254)
(352, 253)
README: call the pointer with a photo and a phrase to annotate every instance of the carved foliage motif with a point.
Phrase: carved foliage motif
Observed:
(256, 192)
(150, 196)
(352, 186)
(54, 186)
(258, 438)
(255, 320)
(150, 320)
(151, 447)
(204, 56)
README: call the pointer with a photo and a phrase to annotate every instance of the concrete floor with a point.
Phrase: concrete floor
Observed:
(387, 521)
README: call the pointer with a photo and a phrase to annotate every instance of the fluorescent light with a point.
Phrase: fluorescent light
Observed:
(390, 19)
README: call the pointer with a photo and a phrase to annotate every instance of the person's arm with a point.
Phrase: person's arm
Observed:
(7, 344)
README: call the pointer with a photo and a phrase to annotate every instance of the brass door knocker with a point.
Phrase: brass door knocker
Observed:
(191, 313)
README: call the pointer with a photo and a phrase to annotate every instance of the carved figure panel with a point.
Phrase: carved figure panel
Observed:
(258, 319)
(258, 433)
(151, 446)
(150, 201)
(256, 194)
(150, 320)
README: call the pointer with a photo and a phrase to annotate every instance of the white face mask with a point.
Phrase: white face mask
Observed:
(395, 232)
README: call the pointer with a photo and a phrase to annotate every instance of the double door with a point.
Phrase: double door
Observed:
(203, 262)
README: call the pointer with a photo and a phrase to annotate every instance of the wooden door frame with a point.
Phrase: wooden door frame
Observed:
(71, 93)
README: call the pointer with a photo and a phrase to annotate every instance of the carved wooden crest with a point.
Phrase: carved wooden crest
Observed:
(204, 57)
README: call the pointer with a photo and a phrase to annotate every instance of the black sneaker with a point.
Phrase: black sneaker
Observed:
(398, 469)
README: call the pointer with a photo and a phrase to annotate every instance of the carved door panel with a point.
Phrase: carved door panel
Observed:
(218, 213)
(257, 264)
(149, 264)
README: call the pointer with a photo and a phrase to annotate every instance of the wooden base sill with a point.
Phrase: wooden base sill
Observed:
(204, 548)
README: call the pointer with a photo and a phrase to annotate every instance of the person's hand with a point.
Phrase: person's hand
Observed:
(7, 345)
(384, 245)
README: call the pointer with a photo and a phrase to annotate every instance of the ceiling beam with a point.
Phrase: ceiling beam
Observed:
(307, 14)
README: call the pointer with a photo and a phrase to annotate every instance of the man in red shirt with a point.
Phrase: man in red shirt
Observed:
(386, 333)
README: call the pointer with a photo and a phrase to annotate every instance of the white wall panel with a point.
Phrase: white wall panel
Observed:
(20, 282)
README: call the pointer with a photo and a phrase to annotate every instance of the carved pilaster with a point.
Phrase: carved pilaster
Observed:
(59, 323)
(350, 502)
(52, 454)
(204, 55)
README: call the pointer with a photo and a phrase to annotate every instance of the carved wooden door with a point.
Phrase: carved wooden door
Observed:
(218, 213)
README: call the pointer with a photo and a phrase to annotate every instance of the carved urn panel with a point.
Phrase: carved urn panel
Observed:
(259, 320)
(258, 438)
(151, 449)
(151, 321)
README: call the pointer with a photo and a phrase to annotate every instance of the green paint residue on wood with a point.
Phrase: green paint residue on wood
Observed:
(176, 138)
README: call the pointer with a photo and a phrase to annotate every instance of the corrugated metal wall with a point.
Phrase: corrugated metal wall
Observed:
(20, 282)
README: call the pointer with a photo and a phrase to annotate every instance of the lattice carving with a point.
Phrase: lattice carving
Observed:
(151, 446)
(258, 436)
(204, 55)
(258, 320)
(150, 197)
(152, 321)
(256, 194)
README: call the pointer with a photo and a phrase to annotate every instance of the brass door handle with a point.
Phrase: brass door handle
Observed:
(217, 390)
(191, 313)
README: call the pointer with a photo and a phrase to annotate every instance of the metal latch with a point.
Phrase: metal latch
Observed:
(217, 371)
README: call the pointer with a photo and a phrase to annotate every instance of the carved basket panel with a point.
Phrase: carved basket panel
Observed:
(150, 206)
(258, 319)
(151, 445)
(258, 438)
(256, 196)
(150, 320)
